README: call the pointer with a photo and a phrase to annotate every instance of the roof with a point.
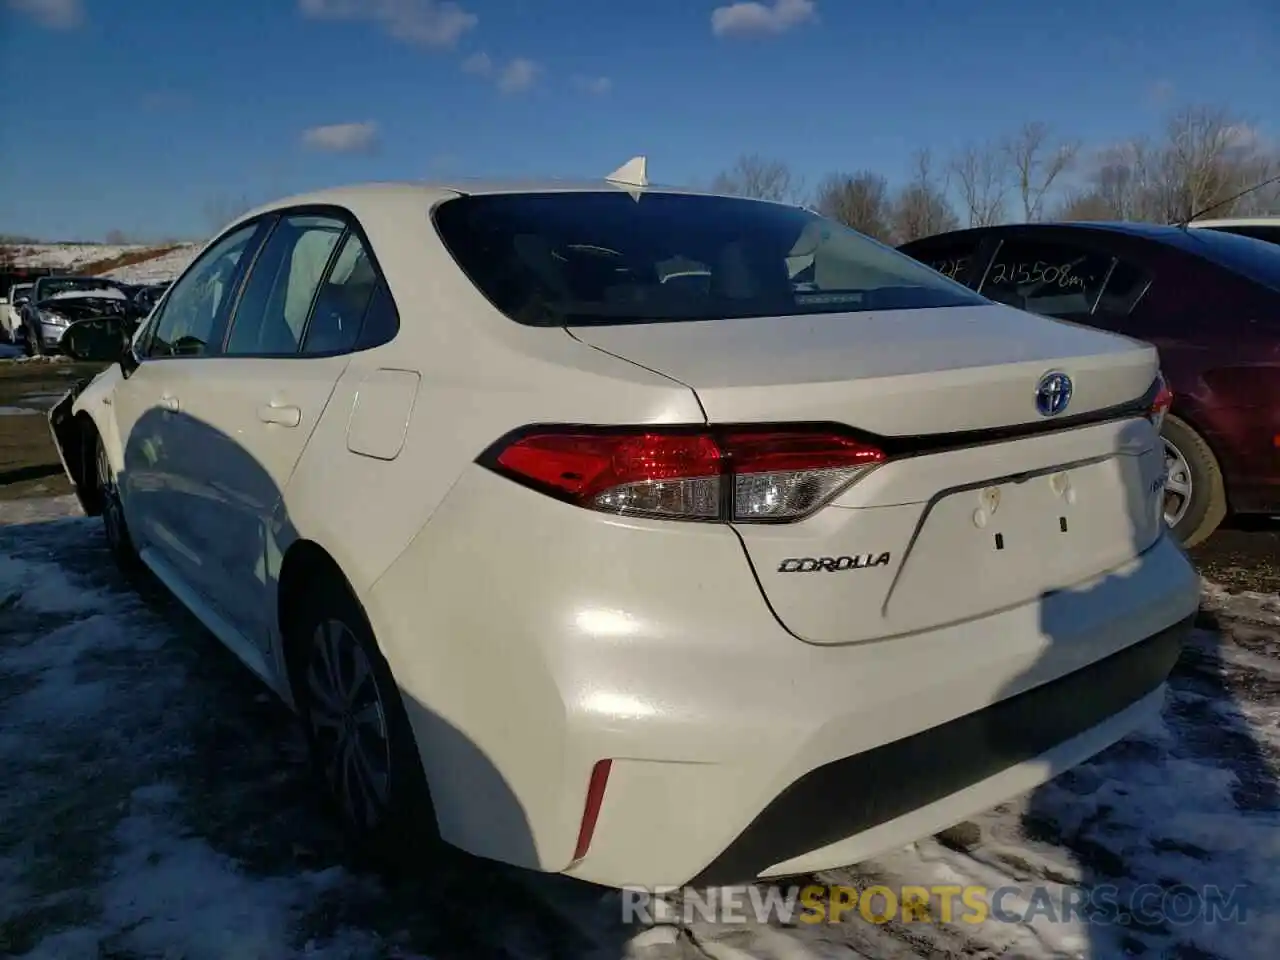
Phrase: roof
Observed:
(400, 193)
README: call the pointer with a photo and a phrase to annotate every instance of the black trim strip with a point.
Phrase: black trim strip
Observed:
(849, 796)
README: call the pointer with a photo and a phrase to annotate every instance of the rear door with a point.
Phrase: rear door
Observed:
(287, 344)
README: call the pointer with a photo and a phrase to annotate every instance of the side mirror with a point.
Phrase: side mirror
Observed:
(99, 340)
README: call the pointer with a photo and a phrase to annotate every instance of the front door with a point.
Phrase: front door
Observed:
(155, 427)
(259, 401)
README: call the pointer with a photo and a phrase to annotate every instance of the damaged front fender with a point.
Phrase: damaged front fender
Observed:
(73, 436)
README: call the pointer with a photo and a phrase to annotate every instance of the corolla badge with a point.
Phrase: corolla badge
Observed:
(1053, 393)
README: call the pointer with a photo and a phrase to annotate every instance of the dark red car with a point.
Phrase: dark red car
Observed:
(1209, 300)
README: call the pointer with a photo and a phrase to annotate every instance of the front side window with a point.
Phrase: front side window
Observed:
(1046, 277)
(273, 310)
(200, 299)
(578, 258)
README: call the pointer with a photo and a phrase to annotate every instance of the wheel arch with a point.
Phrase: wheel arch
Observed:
(1193, 423)
(303, 561)
(77, 439)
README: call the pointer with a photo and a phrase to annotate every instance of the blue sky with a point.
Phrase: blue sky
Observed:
(140, 115)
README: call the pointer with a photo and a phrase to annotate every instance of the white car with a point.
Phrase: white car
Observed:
(11, 309)
(641, 582)
(1260, 228)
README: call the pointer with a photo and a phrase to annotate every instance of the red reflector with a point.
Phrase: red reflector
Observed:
(590, 812)
(1163, 400)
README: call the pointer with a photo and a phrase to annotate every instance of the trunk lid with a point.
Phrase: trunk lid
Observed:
(899, 373)
(944, 532)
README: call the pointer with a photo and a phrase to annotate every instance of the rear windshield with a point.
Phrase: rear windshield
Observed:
(580, 258)
(1256, 259)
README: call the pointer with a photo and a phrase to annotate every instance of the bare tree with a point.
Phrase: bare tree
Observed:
(1037, 162)
(116, 238)
(223, 208)
(1204, 161)
(859, 200)
(982, 176)
(921, 208)
(755, 176)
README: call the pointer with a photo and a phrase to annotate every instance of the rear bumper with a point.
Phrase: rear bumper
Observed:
(531, 639)
(944, 772)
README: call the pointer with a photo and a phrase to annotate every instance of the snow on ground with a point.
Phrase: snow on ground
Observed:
(66, 256)
(158, 269)
(154, 803)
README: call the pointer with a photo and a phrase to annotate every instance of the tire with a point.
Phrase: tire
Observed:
(114, 526)
(1195, 496)
(346, 694)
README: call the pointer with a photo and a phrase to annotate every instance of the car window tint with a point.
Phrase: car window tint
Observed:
(1124, 287)
(277, 298)
(1050, 278)
(200, 298)
(342, 300)
(605, 257)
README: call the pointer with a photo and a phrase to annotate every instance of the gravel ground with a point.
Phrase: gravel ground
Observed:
(154, 804)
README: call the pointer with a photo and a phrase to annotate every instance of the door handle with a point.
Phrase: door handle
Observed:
(282, 414)
(170, 403)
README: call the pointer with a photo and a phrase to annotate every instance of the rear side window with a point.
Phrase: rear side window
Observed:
(342, 300)
(1046, 277)
(606, 257)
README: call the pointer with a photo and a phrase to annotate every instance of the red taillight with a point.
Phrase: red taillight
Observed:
(1161, 404)
(739, 473)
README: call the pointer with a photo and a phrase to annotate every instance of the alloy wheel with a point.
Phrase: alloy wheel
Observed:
(348, 722)
(1178, 486)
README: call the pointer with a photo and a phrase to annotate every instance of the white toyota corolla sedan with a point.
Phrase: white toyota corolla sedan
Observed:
(640, 534)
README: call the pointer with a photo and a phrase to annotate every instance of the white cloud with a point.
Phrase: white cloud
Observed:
(426, 23)
(54, 14)
(342, 137)
(519, 74)
(748, 17)
(596, 86)
(479, 64)
(513, 77)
